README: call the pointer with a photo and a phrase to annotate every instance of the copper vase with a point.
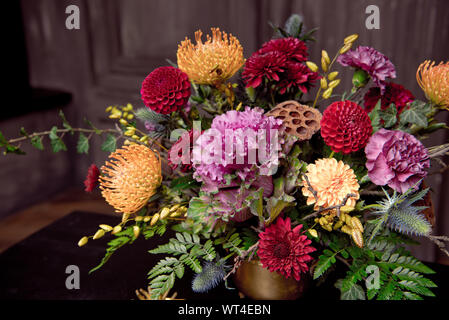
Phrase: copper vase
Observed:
(259, 283)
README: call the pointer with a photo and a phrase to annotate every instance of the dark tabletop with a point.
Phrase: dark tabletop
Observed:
(35, 268)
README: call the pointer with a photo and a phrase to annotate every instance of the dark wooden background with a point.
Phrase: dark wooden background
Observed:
(120, 42)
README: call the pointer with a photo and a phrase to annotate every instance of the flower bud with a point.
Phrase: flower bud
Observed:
(146, 218)
(116, 229)
(98, 234)
(83, 241)
(327, 93)
(334, 83)
(360, 78)
(105, 227)
(154, 219)
(325, 56)
(350, 39)
(324, 65)
(323, 83)
(345, 48)
(332, 75)
(164, 213)
(136, 231)
(312, 66)
(313, 233)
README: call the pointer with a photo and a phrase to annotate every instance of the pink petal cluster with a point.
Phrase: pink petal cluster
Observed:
(396, 159)
(376, 64)
(208, 165)
(285, 250)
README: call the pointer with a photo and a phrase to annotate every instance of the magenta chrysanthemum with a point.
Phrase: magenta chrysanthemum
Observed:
(394, 93)
(291, 48)
(396, 159)
(165, 90)
(228, 147)
(263, 66)
(285, 250)
(376, 64)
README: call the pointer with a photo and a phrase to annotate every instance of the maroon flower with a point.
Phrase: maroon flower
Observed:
(394, 93)
(91, 182)
(292, 48)
(184, 144)
(165, 90)
(298, 76)
(345, 126)
(285, 250)
(267, 65)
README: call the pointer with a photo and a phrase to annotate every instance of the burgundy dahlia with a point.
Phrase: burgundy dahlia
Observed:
(285, 250)
(297, 76)
(345, 127)
(268, 65)
(292, 48)
(165, 90)
(183, 145)
(396, 159)
(368, 59)
(394, 93)
(93, 173)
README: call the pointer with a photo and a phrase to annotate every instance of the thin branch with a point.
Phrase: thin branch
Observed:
(439, 243)
(239, 259)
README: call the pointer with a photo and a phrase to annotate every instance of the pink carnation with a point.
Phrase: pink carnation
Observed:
(396, 159)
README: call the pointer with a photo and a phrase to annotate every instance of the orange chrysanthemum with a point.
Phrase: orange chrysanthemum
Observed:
(130, 178)
(434, 81)
(332, 181)
(213, 61)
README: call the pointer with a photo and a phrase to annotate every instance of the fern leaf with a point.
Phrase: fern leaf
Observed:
(324, 263)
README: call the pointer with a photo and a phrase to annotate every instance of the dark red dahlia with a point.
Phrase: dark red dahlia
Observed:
(394, 93)
(345, 126)
(91, 182)
(165, 90)
(298, 76)
(183, 145)
(269, 65)
(285, 250)
(292, 48)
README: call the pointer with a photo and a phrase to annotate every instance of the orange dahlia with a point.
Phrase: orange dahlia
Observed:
(434, 81)
(332, 182)
(130, 178)
(213, 61)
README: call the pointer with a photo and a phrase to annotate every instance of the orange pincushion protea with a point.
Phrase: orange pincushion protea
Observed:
(434, 81)
(213, 61)
(332, 181)
(130, 178)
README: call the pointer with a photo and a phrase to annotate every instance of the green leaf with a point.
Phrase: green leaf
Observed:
(324, 263)
(146, 114)
(83, 144)
(90, 124)
(109, 145)
(55, 141)
(354, 292)
(375, 116)
(65, 123)
(389, 116)
(293, 25)
(416, 114)
(36, 142)
(183, 183)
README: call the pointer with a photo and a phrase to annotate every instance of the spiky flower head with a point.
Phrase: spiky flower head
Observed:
(398, 213)
(332, 181)
(210, 276)
(130, 178)
(434, 81)
(211, 62)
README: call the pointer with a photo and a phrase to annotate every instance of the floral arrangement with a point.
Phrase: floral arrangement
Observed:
(230, 157)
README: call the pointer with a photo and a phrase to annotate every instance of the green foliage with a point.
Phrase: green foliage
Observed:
(83, 144)
(55, 141)
(294, 28)
(416, 114)
(383, 118)
(65, 123)
(146, 114)
(325, 261)
(185, 250)
(110, 144)
(9, 148)
(183, 183)
(36, 142)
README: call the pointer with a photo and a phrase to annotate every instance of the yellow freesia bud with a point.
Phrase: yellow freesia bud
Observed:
(123, 122)
(345, 48)
(332, 75)
(136, 231)
(154, 219)
(146, 218)
(129, 107)
(327, 93)
(312, 66)
(324, 65)
(127, 142)
(83, 241)
(338, 224)
(164, 213)
(98, 234)
(325, 56)
(130, 116)
(125, 217)
(334, 83)
(125, 114)
(313, 233)
(351, 38)
(105, 227)
(116, 229)
(143, 138)
(239, 106)
(323, 83)
(346, 229)
(108, 109)
(175, 207)
(135, 137)
(138, 218)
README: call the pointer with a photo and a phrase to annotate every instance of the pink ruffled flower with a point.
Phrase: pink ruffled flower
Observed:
(396, 159)
(225, 150)
(376, 64)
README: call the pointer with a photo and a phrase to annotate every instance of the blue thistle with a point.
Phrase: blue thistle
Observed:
(211, 275)
(398, 213)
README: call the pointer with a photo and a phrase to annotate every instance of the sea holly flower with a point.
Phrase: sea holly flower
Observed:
(396, 159)
(368, 59)
(284, 249)
(211, 62)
